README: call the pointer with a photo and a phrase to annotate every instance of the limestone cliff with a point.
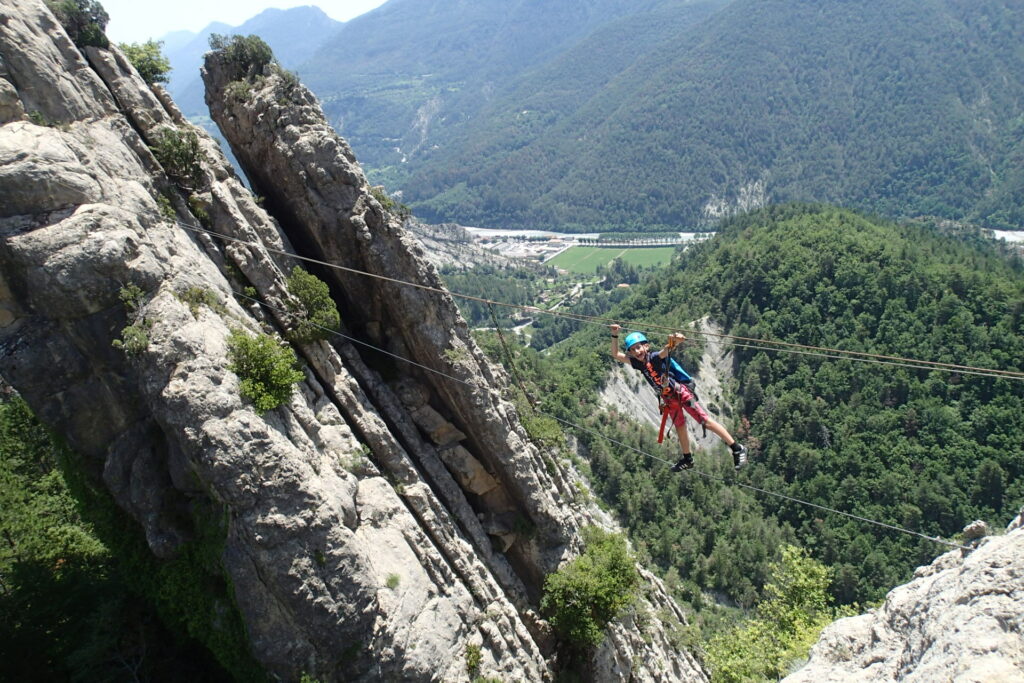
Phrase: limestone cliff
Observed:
(386, 521)
(960, 619)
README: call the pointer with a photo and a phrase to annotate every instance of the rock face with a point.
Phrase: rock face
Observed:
(386, 521)
(960, 619)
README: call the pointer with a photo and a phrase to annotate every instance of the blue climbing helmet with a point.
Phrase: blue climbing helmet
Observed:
(634, 338)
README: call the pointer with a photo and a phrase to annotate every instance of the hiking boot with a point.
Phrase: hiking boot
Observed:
(739, 455)
(684, 463)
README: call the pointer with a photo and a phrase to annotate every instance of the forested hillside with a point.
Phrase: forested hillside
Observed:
(925, 450)
(666, 114)
(905, 108)
(407, 77)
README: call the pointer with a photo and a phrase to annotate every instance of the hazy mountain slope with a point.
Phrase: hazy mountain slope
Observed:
(185, 56)
(293, 34)
(904, 108)
(401, 78)
(546, 119)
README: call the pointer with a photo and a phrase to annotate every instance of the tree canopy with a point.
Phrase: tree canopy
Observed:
(917, 448)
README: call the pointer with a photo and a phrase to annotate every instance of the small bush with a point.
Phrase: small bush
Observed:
(239, 91)
(266, 369)
(316, 311)
(587, 593)
(473, 658)
(289, 79)
(135, 336)
(198, 208)
(247, 55)
(179, 152)
(393, 581)
(457, 356)
(200, 296)
(166, 207)
(131, 296)
(358, 461)
(148, 60)
(84, 20)
(399, 209)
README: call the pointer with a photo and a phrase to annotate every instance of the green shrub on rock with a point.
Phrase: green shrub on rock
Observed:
(266, 368)
(399, 209)
(200, 296)
(148, 60)
(587, 593)
(316, 311)
(84, 20)
(247, 55)
(179, 152)
(135, 336)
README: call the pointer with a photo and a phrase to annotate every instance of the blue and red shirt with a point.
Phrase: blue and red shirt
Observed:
(655, 370)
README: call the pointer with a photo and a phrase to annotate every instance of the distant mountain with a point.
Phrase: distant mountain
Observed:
(186, 56)
(666, 114)
(410, 75)
(294, 35)
(904, 108)
(176, 40)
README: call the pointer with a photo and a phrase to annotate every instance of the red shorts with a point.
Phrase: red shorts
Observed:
(682, 401)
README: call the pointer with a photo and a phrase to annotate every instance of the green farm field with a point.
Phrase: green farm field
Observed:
(586, 259)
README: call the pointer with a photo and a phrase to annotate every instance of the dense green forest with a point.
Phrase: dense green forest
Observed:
(518, 286)
(925, 450)
(541, 287)
(81, 596)
(903, 108)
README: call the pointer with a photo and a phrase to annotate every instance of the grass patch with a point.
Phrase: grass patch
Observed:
(585, 260)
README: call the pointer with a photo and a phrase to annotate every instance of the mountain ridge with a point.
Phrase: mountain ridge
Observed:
(721, 130)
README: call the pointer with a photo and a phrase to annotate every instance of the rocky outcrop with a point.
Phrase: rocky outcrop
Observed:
(960, 619)
(386, 521)
(449, 245)
(314, 187)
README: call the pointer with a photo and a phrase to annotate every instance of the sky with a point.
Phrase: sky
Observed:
(132, 21)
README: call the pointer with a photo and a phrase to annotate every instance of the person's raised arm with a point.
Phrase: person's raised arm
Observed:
(617, 353)
(673, 339)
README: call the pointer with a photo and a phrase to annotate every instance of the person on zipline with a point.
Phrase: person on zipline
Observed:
(674, 395)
